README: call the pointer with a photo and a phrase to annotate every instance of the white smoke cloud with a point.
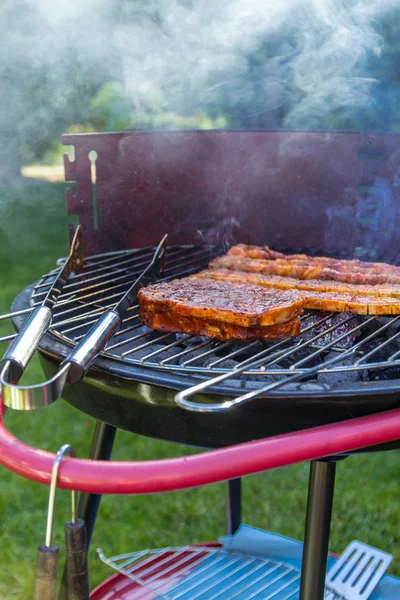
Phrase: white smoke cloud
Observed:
(181, 47)
(188, 55)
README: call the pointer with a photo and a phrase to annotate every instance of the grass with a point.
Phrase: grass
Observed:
(33, 233)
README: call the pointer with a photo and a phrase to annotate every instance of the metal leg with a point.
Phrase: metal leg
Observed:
(316, 536)
(101, 448)
(234, 505)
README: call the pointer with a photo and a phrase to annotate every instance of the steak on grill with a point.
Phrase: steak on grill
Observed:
(218, 330)
(220, 309)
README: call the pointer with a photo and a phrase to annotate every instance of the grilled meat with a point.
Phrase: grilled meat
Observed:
(310, 269)
(220, 309)
(256, 293)
(329, 296)
(264, 252)
(218, 330)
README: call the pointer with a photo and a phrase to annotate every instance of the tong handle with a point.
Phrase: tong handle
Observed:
(77, 560)
(74, 367)
(46, 573)
(80, 359)
(29, 397)
(90, 346)
(23, 347)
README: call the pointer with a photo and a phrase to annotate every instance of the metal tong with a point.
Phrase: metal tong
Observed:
(74, 367)
(22, 348)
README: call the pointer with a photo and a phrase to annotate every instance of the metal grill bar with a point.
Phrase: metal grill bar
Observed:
(243, 578)
(8, 338)
(210, 574)
(198, 571)
(204, 354)
(270, 583)
(160, 338)
(331, 344)
(187, 351)
(155, 567)
(167, 347)
(253, 358)
(190, 573)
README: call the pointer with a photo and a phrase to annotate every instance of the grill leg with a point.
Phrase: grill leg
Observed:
(316, 536)
(101, 448)
(234, 505)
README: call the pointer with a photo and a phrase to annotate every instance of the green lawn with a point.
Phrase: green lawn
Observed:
(33, 233)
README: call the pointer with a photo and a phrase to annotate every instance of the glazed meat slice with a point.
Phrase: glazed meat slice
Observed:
(329, 296)
(309, 270)
(264, 252)
(291, 283)
(238, 304)
(219, 330)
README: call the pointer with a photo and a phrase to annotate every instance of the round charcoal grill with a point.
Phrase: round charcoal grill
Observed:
(340, 366)
(214, 186)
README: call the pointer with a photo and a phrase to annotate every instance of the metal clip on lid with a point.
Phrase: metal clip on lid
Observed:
(82, 356)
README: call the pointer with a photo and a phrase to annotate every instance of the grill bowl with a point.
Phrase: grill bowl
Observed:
(141, 400)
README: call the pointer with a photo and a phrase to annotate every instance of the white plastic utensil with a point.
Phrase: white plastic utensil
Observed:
(357, 572)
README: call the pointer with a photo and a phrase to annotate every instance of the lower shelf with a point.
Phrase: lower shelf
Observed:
(252, 565)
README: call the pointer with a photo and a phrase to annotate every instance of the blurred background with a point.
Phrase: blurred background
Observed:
(115, 65)
(172, 64)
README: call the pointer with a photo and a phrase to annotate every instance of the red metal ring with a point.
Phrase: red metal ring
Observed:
(153, 476)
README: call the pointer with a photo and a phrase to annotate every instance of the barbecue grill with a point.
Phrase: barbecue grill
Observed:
(290, 190)
(155, 365)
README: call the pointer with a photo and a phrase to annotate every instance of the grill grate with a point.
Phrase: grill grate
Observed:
(201, 573)
(357, 344)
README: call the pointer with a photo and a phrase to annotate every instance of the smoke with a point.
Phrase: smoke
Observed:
(184, 63)
(329, 69)
(295, 63)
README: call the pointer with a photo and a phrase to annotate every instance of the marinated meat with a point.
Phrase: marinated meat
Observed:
(170, 321)
(321, 295)
(256, 293)
(309, 269)
(220, 309)
(240, 304)
(264, 252)
(290, 283)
